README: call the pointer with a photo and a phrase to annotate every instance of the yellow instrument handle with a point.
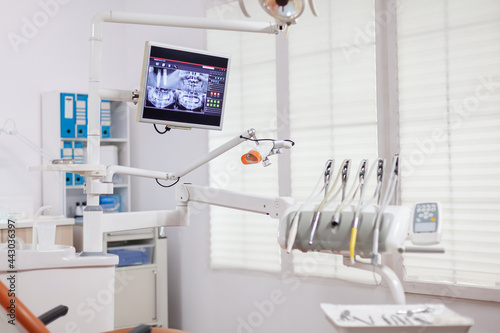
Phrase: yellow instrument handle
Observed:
(352, 245)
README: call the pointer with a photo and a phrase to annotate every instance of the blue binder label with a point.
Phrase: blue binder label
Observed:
(105, 119)
(81, 116)
(78, 156)
(68, 105)
(67, 152)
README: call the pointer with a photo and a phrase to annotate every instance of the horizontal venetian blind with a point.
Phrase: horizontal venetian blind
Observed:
(449, 95)
(241, 240)
(332, 106)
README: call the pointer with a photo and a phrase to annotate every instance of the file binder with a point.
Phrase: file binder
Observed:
(68, 105)
(105, 119)
(78, 157)
(67, 152)
(81, 115)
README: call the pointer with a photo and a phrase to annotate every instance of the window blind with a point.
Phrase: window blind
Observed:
(449, 96)
(332, 106)
(241, 240)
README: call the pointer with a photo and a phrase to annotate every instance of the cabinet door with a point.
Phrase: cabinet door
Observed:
(135, 296)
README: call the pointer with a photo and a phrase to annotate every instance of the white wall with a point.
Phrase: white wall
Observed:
(44, 47)
(55, 57)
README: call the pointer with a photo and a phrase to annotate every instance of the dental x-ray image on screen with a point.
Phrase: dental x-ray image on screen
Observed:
(177, 89)
(182, 87)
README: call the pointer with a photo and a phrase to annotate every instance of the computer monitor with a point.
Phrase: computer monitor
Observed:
(182, 87)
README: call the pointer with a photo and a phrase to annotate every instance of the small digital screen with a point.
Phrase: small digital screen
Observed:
(183, 88)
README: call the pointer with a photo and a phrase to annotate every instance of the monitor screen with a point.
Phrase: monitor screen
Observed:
(182, 87)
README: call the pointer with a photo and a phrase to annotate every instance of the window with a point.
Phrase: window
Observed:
(447, 132)
(238, 239)
(333, 106)
(449, 95)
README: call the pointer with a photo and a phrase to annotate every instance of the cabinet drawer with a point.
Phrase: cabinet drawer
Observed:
(135, 295)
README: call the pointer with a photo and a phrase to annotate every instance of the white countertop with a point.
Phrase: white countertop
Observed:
(28, 222)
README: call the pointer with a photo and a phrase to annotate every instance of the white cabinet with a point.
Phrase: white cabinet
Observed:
(141, 290)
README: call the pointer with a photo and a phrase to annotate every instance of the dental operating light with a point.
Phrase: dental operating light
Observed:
(284, 11)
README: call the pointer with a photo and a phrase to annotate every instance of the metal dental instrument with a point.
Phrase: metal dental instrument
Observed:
(346, 315)
(354, 230)
(344, 173)
(345, 176)
(418, 310)
(361, 178)
(379, 163)
(326, 199)
(369, 323)
(422, 321)
(358, 185)
(325, 176)
(315, 222)
(380, 177)
(328, 175)
(389, 191)
(397, 320)
(386, 320)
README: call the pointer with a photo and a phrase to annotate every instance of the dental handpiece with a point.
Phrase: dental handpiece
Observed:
(317, 215)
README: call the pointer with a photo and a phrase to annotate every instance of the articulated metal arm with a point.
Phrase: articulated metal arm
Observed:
(184, 171)
(274, 207)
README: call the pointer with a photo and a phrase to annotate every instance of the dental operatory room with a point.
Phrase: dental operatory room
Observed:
(250, 166)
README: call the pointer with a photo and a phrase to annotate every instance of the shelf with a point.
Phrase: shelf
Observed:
(64, 188)
(94, 169)
(103, 140)
(81, 187)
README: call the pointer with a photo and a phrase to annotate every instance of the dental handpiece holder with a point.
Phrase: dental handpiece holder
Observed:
(334, 237)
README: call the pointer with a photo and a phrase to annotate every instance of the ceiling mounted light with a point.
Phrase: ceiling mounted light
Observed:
(286, 11)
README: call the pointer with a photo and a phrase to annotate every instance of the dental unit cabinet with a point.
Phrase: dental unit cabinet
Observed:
(89, 281)
(148, 279)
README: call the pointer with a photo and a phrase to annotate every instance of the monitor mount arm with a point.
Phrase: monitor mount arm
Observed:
(118, 169)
